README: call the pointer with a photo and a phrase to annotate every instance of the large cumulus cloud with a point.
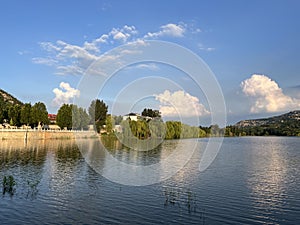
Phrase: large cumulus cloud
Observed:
(267, 96)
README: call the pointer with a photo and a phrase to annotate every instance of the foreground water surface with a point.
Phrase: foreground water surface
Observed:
(253, 180)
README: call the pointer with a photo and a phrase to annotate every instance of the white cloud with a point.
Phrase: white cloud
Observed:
(69, 70)
(64, 94)
(91, 47)
(75, 59)
(138, 42)
(171, 30)
(180, 103)
(120, 36)
(208, 49)
(123, 34)
(267, 95)
(76, 52)
(44, 61)
(146, 66)
(67, 57)
(49, 47)
(102, 39)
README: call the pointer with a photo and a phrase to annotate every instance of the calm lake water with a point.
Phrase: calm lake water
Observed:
(253, 180)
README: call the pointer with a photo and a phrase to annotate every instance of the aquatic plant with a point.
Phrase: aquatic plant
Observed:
(181, 198)
(8, 185)
(32, 189)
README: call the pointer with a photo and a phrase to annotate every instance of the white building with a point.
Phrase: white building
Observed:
(132, 116)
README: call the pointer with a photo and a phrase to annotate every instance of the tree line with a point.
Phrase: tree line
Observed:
(26, 114)
(288, 128)
(69, 116)
(281, 129)
(73, 117)
(156, 128)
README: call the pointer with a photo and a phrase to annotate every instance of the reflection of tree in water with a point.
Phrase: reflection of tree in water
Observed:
(184, 200)
(131, 156)
(141, 152)
(25, 161)
(22, 155)
(111, 143)
(68, 153)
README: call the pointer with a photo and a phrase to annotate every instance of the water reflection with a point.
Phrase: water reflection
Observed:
(21, 153)
(131, 167)
(269, 177)
(253, 181)
(29, 162)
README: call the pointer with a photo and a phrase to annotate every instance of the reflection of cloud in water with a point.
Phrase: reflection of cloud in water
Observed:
(269, 179)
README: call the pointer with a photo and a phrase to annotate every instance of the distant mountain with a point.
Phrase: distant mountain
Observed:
(293, 116)
(8, 99)
(287, 124)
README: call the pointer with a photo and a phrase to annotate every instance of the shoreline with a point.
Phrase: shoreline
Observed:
(35, 134)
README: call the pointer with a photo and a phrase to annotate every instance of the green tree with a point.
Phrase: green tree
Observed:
(109, 124)
(39, 114)
(178, 128)
(215, 130)
(84, 118)
(133, 127)
(151, 113)
(80, 118)
(2, 109)
(14, 113)
(118, 119)
(25, 116)
(157, 128)
(143, 131)
(173, 130)
(64, 116)
(170, 131)
(98, 113)
(126, 128)
(202, 133)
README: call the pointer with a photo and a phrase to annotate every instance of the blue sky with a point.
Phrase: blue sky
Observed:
(252, 47)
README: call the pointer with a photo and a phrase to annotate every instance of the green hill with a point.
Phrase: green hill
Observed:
(287, 124)
(7, 101)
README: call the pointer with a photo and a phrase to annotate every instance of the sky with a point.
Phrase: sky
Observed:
(250, 48)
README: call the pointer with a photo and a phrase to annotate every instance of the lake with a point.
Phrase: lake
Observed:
(253, 180)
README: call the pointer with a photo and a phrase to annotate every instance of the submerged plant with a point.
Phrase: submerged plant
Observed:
(8, 185)
(32, 189)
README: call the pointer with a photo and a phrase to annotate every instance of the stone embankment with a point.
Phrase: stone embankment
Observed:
(18, 134)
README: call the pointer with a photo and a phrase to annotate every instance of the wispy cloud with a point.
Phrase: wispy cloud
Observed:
(75, 59)
(44, 61)
(171, 30)
(180, 103)
(64, 94)
(146, 66)
(267, 96)
(204, 48)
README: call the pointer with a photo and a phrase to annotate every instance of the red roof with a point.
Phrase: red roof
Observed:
(52, 116)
